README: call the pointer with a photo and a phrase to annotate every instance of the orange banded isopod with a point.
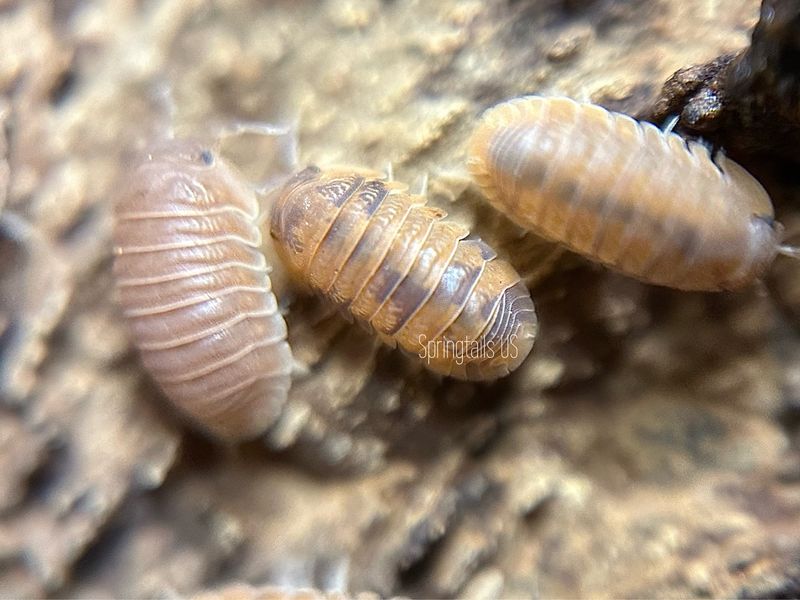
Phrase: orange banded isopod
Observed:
(194, 287)
(416, 279)
(640, 200)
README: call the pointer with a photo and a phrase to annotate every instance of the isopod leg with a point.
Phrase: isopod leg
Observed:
(164, 100)
(670, 123)
(287, 134)
(790, 251)
(717, 152)
(714, 151)
(420, 187)
(266, 193)
(255, 127)
(287, 152)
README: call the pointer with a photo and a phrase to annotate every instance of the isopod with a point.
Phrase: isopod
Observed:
(396, 265)
(626, 194)
(194, 287)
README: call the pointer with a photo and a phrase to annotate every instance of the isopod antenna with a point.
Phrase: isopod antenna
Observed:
(789, 250)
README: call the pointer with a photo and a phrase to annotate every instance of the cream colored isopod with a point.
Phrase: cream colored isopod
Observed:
(195, 289)
(624, 193)
(398, 266)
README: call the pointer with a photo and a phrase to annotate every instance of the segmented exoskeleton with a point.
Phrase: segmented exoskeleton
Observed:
(194, 287)
(626, 194)
(398, 266)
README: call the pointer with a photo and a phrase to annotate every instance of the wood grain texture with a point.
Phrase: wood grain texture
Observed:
(194, 286)
(623, 193)
(393, 263)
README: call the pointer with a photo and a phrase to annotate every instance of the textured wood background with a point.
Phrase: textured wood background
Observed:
(648, 447)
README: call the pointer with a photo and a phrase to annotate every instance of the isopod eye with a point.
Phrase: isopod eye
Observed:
(207, 157)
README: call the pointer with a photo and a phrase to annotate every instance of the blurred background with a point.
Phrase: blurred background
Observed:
(648, 446)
